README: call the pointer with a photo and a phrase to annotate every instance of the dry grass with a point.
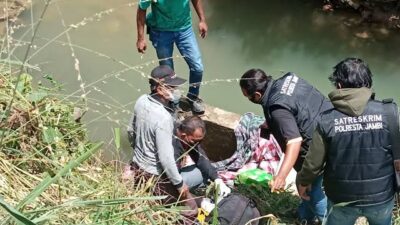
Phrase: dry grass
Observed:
(50, 172)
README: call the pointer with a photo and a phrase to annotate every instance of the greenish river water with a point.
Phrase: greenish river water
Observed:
(275, 35)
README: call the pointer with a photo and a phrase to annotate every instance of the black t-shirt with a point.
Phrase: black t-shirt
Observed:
(284, 126)
(199, 157)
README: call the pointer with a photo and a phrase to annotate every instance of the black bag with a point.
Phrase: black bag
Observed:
(395, 138)
(236, 209)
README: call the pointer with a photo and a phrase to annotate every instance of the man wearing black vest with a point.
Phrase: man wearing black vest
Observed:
(291, 108)
(352, 146)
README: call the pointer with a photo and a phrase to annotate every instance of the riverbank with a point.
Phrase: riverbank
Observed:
(10, 10)
(48, 62)
(386, 12)
(51, 173)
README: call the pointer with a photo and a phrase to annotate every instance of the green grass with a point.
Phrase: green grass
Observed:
(281, 207)
(50, 173)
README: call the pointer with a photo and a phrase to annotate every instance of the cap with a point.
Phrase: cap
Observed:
(164, 74)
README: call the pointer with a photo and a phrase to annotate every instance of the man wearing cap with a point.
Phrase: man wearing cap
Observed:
(170, 22)
(151, 129)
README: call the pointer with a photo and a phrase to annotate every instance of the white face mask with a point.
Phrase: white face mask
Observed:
(175, 95)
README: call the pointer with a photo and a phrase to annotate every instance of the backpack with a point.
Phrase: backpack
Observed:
(236, 209)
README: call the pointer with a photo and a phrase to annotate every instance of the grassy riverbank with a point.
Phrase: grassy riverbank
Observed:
(50, 173)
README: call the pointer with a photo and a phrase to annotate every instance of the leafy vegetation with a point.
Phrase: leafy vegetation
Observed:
(50, 173)
(282, 205)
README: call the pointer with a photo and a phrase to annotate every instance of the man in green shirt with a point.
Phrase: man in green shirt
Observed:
(169, 23)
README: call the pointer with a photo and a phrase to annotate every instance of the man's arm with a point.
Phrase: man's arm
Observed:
(285, 125)
(291, 154)
(141, 44)
(312, 166)
(314, 162)
(165, 152)
(131, 131)
(203, 28)
(203, 163)
(398, 110)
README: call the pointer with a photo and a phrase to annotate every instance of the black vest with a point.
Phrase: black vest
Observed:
(303, 100)
(359, 164)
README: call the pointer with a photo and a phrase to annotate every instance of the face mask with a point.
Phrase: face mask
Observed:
(174, 96)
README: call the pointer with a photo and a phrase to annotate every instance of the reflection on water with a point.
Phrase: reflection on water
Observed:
(275, 35)
(297, 36)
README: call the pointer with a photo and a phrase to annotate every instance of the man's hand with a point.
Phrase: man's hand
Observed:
(140, 23)
(141, 45)
(278, 184)
(303, 191)
(188, 201)
(264, 125)
(184, 191)
(203, 28)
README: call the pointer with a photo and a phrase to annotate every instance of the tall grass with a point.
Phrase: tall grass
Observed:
(50, 173)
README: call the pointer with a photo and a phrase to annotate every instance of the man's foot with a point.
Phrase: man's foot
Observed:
(197, 106)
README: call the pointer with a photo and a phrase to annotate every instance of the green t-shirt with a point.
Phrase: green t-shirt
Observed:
(167, 15)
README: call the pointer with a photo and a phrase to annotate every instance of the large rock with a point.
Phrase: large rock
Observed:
(220, 141)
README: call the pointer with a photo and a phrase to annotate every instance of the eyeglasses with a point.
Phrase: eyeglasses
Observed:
(195, 142)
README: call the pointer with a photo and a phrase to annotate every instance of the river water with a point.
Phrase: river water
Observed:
(274, 35)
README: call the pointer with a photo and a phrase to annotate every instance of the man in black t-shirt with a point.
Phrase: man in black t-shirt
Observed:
(291, 108)
(189, 134)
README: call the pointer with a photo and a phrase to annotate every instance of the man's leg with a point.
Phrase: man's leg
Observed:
(192, 177)
(379, 215)
(187, 45)
(342, 215)
(317, 204)
(304, 211)
(164, 44)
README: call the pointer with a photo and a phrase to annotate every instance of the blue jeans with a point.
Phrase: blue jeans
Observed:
(185, 40)
(316, 206)
(193, 177)
(347, 215)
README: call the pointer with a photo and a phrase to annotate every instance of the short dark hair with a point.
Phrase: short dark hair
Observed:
(351, 73)
(153, 85)
(254, 80)
(190, 124)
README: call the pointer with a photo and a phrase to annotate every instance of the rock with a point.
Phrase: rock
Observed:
(221, 117)
(9, 11)
(362, 35)
(327, 8)
(384, 31)
(12, 8)
(220, 141)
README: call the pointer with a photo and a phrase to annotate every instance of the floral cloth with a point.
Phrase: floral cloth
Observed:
(252, 151)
